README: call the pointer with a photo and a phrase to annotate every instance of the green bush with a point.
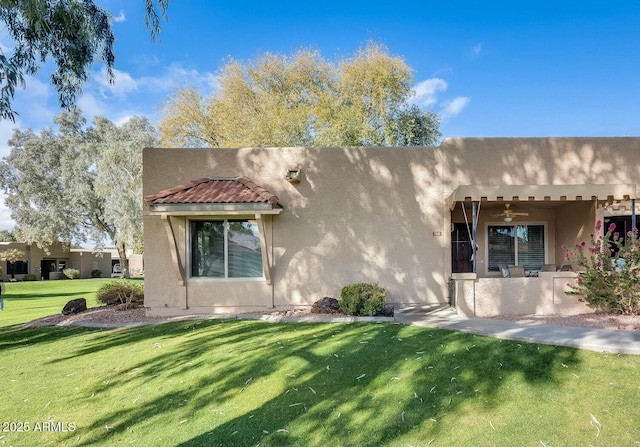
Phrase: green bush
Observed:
(29, 277)
(96, 273)
(362, 299)
(71, 273)
(123, 292)
(609, 279)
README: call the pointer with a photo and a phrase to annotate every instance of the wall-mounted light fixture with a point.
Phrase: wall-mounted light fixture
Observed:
(293, 175)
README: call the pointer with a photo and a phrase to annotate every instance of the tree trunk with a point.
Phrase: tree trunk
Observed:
(124, 262)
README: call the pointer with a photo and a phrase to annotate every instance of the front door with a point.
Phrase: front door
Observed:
(461, 252)
(47, 266)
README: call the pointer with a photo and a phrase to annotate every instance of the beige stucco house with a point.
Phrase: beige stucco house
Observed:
(48, 263)
(237, 230)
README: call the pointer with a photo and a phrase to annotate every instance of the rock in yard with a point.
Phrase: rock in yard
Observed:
(75, 306)
(326, 305)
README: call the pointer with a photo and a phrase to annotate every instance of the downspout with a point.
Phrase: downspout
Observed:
(273, 285)
(633, 218)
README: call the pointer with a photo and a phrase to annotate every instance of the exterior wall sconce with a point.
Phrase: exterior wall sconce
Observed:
(293, 175)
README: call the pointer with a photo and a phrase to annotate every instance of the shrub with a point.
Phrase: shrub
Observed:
(362, 299)
(29, 277)
(71, 273)
(96, 273)
(121, 291)
(610, 276)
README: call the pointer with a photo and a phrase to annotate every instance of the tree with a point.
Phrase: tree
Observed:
(73, 33)
(11, 256)
(303, 100)
(78, 183)
(7, 236)
(119, 163)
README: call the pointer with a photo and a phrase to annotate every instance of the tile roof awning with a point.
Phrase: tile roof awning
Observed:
(211, 195)
(541, 192)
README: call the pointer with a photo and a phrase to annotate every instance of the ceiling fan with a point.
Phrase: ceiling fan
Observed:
(508, 214)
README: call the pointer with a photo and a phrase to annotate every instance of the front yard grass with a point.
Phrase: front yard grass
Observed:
(250, 383)
(26, 301)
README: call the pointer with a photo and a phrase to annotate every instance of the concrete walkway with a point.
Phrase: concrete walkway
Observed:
(445, 317)
(601, 340)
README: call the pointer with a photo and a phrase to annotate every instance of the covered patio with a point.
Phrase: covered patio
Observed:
(525, 226)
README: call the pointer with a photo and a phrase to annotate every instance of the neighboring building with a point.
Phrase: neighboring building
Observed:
(36, 260)
(48, 264)
(255, 229)
(88, 262)
(136, 262)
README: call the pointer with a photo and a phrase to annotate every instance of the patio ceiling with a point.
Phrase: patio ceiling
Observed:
(541, 193)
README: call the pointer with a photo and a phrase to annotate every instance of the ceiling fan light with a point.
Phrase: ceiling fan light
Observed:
(508, 219)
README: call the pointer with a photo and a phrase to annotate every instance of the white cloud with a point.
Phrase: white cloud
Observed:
(476, 50)
(173, 76)
(426, 91)
(123, 83)
(119, 18)
(6, 132)
(178, 76)
(36, 104)
(6, 222)
(453, 107)
(91, 105)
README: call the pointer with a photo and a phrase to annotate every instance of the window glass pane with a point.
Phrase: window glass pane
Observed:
(501, 246)
(207, 248)
(17, 268)
(531, 246)
(245, 256)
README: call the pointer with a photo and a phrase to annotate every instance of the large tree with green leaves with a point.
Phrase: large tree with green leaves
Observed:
(304, 100)
(79, 182)
(71, 33)
(7, 236)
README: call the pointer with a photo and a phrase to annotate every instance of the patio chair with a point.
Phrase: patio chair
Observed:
(566, 268)
(548, 268)
(516, 271)
(504, 270)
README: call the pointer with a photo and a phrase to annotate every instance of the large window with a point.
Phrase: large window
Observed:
(225, 249)
(516, 245)
(17, 268)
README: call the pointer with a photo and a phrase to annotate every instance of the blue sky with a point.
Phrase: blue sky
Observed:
(492, 68)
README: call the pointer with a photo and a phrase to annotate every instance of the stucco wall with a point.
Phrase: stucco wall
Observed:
(540, 161)
(543, 295)
(375, 214)
(372, 215)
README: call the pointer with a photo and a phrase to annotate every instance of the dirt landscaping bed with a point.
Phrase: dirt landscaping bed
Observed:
(114, 316)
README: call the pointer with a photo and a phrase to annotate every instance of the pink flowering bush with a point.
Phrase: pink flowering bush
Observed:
(609, 277)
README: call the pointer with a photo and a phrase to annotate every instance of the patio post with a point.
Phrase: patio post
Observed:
(474, 227)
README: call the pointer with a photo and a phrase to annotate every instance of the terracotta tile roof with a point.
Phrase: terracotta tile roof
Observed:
(215, 190)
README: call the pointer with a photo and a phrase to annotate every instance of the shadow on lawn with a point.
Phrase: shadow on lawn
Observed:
(16, 336)
(308, 384)
(37, 296)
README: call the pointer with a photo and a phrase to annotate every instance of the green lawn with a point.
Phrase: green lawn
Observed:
(249, 383)
(26, 301)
